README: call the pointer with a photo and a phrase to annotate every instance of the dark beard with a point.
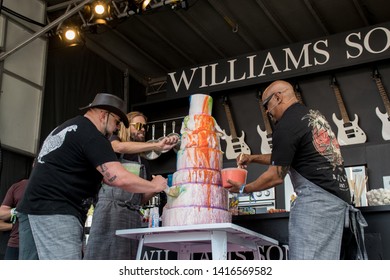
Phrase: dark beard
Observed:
(106, 134)
(134, 138)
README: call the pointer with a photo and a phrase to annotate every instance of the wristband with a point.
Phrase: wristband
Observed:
(242, 189)
(13, 215)
(251, 197)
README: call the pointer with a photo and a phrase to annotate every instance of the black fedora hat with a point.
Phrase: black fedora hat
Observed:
(110, 103)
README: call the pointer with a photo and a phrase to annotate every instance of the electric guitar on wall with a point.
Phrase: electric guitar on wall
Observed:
(348, 132)
(234, 145)
(298, 94)
(385, 118)
(265, 135)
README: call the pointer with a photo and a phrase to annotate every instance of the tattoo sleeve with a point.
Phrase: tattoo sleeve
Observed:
(282, 171)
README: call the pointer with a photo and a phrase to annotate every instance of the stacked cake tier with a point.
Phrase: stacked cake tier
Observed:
(196, 195)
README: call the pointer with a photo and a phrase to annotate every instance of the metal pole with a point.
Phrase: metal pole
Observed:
(45, 29)
(126, 93)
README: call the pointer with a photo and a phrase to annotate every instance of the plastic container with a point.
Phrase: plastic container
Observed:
(154, 217)
(234, 174)
(132, 167)
(169, 180)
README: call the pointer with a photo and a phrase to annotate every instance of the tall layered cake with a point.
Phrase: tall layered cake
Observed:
(196, 195)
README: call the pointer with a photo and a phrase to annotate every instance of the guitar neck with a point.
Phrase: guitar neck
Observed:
(340, 103)
(267, 123)
(230, 120)
(299, 97)
(383, 94)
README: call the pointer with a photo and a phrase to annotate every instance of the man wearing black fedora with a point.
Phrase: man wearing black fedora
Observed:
(73, 161)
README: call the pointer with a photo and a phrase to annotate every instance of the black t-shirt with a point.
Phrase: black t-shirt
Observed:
(304, 140)
(65, 176)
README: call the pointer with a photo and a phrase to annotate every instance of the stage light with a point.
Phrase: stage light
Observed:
(97, 12)
(99, 8)
(101, 12)
(145, 4)
(138, 6)
(70, 35)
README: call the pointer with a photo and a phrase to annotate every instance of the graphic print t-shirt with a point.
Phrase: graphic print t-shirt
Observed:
(65, 174)
(304, 140)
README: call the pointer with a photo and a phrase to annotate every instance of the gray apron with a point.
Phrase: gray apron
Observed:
(115, 209)
(317, 220)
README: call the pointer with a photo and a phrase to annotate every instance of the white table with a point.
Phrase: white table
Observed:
(218, 239)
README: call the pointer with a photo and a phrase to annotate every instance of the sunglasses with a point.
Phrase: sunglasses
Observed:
(268, 99)
(117, 121)
(139, 126)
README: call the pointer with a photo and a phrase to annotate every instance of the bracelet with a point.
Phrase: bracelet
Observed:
(251, 197)
(242, 189)
(13, 217)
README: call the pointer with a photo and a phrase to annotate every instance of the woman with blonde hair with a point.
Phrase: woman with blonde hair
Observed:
(117, 209)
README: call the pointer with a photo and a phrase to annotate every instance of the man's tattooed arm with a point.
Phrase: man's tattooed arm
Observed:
(282, 171)
(106, 174)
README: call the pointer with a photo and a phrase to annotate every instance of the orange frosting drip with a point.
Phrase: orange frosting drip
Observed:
(205, 103)
(205, 156)
(200, 139)
(203, 122)
(208, 175)
(208, 196)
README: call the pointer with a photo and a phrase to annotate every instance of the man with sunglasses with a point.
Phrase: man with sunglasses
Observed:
(121, 208)
(305, 147)
(69, 169)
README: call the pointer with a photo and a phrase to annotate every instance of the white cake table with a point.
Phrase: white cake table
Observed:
(218, 239)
